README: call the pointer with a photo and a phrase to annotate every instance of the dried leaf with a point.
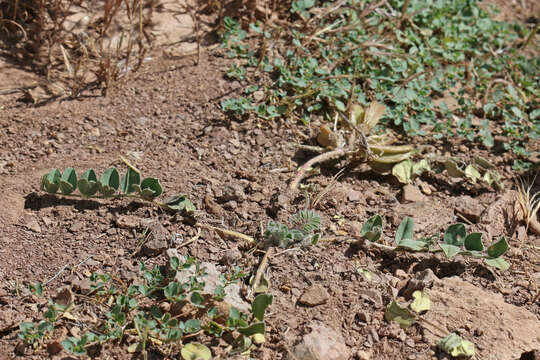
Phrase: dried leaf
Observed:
(372, 116)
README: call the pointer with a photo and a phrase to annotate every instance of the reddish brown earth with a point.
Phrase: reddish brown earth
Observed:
(166, 120)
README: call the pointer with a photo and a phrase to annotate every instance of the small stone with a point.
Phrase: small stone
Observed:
(411, 193)
(424, 187)
(314, 295)
(234, 192)
(323, 343)
(47, 221)
(296, 292)
(364, 354)
(231, 256)
(33, 225)
(469, 208)
(127, 222)
(522, 234)
(354, 195)
(364, 317)
(82, 286)
(400, 273)
(372, 295)
(356, 228)
(76, 226)
(258, 95)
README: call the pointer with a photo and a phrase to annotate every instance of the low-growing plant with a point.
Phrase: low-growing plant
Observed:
(36, 334)
(304, 225)
(355, 141)
(445, 69)
(121, 313)
(111, 185)
(455, 241)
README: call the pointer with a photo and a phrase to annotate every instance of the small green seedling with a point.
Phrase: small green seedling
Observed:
(305, 223)
(456, 241)
(111, 185)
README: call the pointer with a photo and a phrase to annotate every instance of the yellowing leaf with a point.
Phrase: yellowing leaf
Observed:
(456, 346)
(69, 316)
(366, 273)
(403, 171)
(403, 316)
(421, 166)
(453, 169)
(195, 351)
(472, 173)
(258, 339)
(133, 348)
(327, 137)
(422, 301)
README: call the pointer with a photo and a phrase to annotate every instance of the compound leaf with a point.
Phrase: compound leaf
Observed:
(456, 346)
(257, 328)
(372, 228)
(498, 263)
(415, 245)
(450, 250)
(179, 203)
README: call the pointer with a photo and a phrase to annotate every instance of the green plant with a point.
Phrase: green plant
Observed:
(439, 53)
(456, 241)
(139, 310)
(304, 223)
(110, 185)
(35, 334)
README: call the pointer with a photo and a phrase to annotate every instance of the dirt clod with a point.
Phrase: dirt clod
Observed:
(314, 295)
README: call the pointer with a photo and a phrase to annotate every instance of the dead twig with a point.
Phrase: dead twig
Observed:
(330, 155)
(228, 232)
(260, 271)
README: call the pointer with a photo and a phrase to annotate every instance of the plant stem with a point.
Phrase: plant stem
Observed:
(531, 35)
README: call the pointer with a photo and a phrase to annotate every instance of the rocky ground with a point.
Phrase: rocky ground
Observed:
(167, 121)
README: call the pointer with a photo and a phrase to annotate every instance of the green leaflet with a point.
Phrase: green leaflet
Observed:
(110, 180)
